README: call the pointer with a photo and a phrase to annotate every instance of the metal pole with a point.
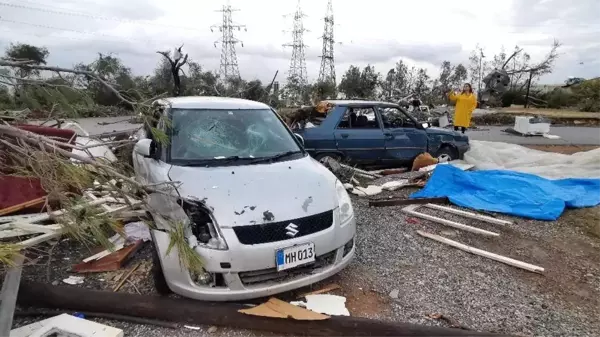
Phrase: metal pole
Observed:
(10, 288)
(528, 86)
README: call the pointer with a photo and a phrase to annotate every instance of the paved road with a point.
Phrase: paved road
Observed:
(568, 134)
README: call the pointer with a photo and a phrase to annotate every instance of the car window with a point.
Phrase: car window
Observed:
(213, 134)
(359, 118)
(393, 117)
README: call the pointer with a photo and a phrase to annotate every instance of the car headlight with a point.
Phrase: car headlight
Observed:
(203, 227)
(344, 202)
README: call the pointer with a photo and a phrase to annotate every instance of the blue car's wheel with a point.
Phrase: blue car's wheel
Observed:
(447, 153)
(321, 157)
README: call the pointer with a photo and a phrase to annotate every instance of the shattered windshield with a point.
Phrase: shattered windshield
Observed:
(217, 134)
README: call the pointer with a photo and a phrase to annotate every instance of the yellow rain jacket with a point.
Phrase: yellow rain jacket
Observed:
(465, 104)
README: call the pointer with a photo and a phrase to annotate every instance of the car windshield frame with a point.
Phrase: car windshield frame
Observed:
(403, 111)
(297, 153)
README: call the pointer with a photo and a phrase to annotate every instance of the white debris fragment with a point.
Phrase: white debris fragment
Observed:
(368, 191)
(325, 304)
(394, 185)
(191, 327)
(348, 186)
(394, 293)
(66, 325)
(73, 280)
(137, 231)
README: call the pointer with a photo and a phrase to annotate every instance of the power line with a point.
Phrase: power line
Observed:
(61, 11)
(229, 68)
(72, 30)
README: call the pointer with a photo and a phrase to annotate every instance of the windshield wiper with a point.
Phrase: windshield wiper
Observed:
(275, 157)
(212, 161)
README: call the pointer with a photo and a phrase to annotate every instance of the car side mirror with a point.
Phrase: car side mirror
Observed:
(300, 138)
(144, 148)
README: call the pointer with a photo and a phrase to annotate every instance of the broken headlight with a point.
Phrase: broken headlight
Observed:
(344, 202)
(205, 232)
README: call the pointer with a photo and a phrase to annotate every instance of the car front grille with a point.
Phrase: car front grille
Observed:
(276, 231)
(272, 275)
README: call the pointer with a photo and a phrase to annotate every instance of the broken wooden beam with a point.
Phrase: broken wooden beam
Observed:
(193, 312)
(404, 202)
(483, 253)
(8, 297)
(109, 262)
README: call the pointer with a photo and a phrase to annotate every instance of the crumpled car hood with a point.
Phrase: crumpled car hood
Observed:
(440, 131)
(256, 194)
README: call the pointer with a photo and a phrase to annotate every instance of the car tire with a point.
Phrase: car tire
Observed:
(321, 157)
(447, 153)
(160, 283)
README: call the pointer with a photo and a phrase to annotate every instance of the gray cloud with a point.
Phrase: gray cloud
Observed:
(575, 26)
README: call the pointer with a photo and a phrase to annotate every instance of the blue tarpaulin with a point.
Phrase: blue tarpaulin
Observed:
(521, 194)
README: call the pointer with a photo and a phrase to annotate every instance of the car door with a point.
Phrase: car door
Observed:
(404, 139)
(359, 136)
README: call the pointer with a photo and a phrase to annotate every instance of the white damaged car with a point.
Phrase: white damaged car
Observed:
(262, 215)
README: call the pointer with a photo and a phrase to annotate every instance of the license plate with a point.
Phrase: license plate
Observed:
(298, 255)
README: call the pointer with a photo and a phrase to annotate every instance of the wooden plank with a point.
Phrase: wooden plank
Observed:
(404, 202)
(24, 205)
(481, 252)
(8, 297)
(193, 312)
(469, 214)
(111, 262)
(411, 210)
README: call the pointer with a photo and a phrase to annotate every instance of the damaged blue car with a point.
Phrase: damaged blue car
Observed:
(375, 133)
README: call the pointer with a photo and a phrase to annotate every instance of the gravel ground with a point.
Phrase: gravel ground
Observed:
(430, 277)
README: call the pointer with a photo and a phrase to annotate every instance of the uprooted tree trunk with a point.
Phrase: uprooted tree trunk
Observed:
(498, 81)
(187, 311)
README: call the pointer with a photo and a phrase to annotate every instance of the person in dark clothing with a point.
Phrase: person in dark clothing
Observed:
(416, 103)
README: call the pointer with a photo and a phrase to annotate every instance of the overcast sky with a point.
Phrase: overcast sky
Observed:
(378, 32)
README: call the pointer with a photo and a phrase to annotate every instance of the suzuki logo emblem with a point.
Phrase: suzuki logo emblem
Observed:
(292, 230)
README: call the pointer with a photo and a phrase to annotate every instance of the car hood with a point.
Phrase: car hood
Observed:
(256, 194)
(440, 131)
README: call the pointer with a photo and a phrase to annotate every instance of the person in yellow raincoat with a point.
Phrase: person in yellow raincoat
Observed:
(466, 102)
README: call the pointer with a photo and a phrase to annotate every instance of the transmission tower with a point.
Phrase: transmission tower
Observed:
(297, 80)
(327, 71)
(229, 64)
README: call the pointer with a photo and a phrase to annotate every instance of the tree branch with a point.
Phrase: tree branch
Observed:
(66, 70)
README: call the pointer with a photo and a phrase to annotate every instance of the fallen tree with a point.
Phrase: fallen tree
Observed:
(187, 311)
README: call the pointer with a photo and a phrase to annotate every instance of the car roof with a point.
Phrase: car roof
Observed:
(344, 102)
(210, 102)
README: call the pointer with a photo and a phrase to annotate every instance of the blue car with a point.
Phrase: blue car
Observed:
(376, 133)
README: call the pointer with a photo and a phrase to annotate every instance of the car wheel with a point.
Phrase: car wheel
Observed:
(322, 157)
(446, 153)
(160, 283)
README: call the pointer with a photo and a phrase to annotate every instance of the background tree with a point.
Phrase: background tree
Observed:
(360, 84)
(459, 76)
(26, 52)
(421, 86)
